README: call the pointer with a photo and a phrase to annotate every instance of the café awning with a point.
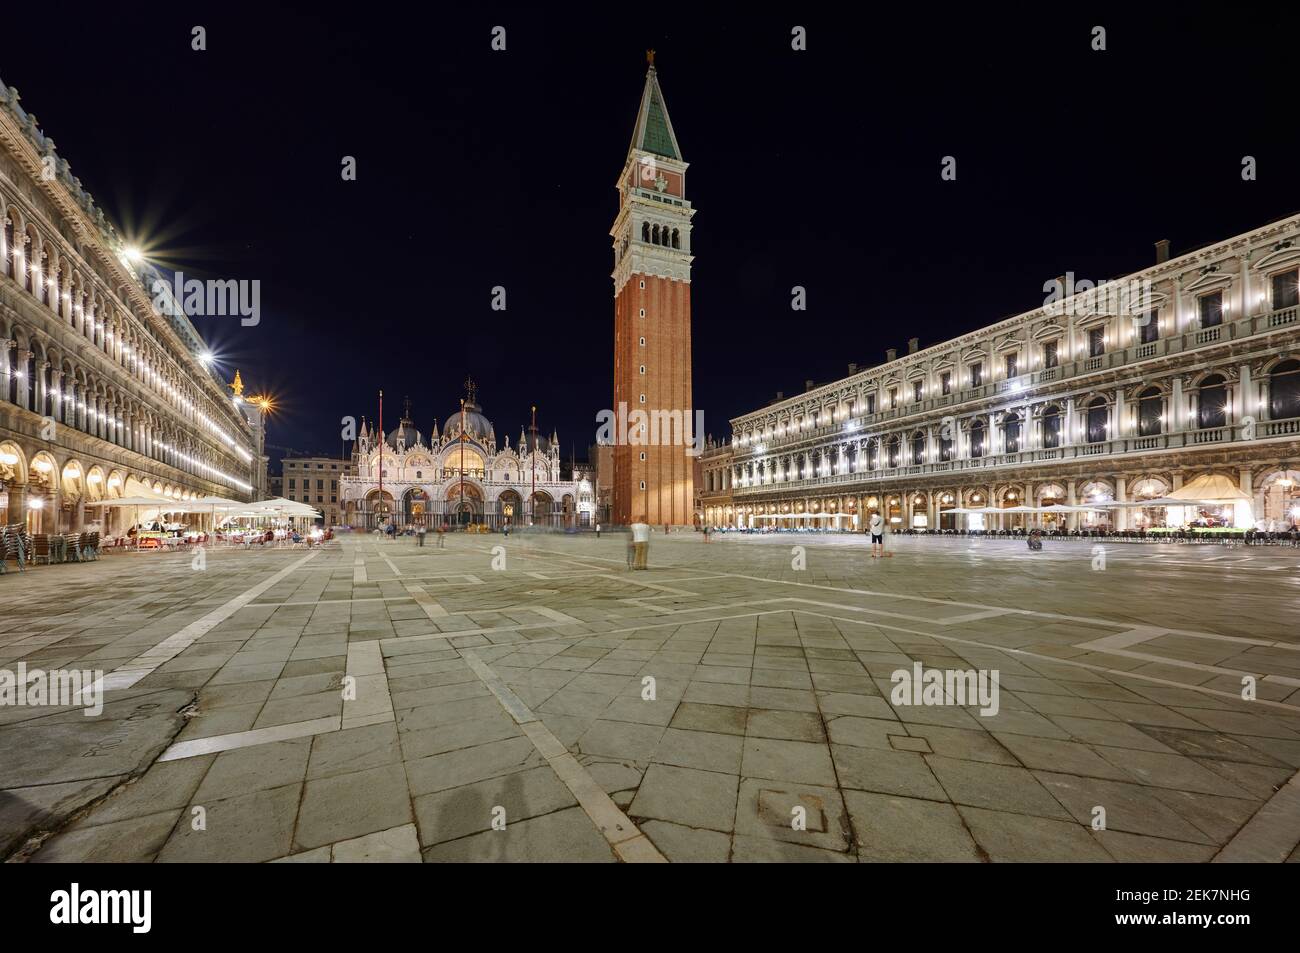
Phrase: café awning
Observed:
(1210, 488)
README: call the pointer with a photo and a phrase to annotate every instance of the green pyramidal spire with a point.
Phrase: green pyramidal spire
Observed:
(654, 130)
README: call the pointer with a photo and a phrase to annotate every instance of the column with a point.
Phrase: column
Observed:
(1246, 310)
(1245, 406)
(1119, 428)
(1178, 305)
(17, 503)
(1243, 512)
(1067, 425)
(932, 513)
(1071, 498)
(1176, 409)
(1121, 496)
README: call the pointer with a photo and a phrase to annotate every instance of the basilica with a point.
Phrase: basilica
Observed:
(460, 476)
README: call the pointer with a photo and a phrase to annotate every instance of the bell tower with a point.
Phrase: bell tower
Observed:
(652, 323)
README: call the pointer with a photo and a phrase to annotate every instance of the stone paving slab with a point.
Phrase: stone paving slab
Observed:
(726, 708)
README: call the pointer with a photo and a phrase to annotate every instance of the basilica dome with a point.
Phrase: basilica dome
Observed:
(476, 425)
(406, 433)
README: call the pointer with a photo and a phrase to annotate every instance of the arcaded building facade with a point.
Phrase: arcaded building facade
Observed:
(1122, 393)
(101, 395)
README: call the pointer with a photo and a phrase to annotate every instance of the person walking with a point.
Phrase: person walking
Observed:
(640, 542)
(598, 531)
(877, 528)
(419, 536)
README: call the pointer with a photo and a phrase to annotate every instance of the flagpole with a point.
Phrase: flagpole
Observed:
(380, 504)
(462, 456)
(532, 503)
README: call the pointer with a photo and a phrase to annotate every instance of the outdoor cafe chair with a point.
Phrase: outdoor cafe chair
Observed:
(41, 548)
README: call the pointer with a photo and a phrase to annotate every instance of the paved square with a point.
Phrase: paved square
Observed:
(375, 701)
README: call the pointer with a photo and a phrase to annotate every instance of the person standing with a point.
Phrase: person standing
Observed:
(419, 536)
(877, 528)
(640, 542)
(598, 531)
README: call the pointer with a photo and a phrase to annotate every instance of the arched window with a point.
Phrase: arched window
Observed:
(30, 261)
(1052, 427)
(31, 383)
(1011, 433)
(677, 239)
(918, 448)
(645, 231)
(654, 234)
(1098, 420)
(977, 439)
(1284, 390)
(1212, 410)
(945, 446)
(11, 365)
(1150, 407)
(9, 245)
(49, 390)
(873, 455)
(893, 452)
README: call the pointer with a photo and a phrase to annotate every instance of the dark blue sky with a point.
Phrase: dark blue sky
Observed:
(476, 168)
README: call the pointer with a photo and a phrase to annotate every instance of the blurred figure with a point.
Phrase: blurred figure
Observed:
(877, 528)
(640, 542)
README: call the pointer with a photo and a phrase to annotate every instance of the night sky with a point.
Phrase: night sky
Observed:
(478, 168)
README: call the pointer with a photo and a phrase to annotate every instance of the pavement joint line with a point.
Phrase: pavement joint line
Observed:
(324, 602)
(247, 739)
(442, 636)
(649, 585)
(624, 837)
(397, 845)
(1009, 610)
(1064, 661)
(1201, 666)
(127, 674)
(1272, 834)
